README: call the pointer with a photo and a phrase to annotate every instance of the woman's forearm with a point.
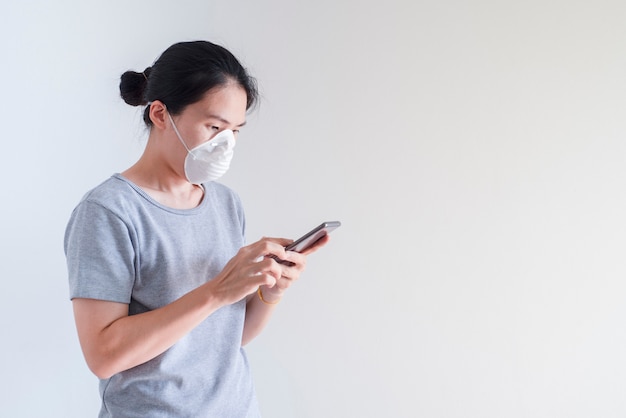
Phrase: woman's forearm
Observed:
(258, 313)
(112, 341)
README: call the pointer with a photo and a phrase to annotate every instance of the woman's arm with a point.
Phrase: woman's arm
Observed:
(112, 341)
(258, 315)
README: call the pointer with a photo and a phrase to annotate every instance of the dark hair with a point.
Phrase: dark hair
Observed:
(183, 74)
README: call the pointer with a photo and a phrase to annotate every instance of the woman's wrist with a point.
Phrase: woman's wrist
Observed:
(269, 297)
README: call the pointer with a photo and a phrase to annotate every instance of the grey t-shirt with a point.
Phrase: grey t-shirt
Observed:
(123, 246)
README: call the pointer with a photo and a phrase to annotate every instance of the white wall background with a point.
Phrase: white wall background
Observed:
(474, 151)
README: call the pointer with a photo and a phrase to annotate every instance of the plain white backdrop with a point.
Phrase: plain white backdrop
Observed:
(474, 151)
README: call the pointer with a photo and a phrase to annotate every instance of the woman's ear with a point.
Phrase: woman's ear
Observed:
(158, 114)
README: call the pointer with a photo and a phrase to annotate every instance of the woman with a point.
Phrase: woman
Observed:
(165, 293)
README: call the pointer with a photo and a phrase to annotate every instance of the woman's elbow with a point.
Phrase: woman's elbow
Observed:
(99, 366)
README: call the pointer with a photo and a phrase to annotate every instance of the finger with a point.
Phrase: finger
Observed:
(282, 284)
(265, 279)
(268, 247)
(294, 261)
(270, 267)
(290, 275)
(283, 242)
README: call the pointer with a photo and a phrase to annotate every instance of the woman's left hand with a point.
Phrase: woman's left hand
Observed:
(259, 309)
(293, 267)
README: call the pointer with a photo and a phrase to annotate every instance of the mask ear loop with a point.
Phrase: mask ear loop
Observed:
(178, 133)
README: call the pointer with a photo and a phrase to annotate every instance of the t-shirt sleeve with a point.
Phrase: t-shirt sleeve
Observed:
(100, 254)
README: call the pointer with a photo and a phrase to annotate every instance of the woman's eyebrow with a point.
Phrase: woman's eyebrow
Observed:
(225, 121)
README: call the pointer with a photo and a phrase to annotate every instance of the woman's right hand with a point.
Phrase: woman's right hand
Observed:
(249, 269)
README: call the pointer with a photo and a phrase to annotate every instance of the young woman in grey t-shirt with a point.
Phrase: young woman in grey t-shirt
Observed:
(165, 292)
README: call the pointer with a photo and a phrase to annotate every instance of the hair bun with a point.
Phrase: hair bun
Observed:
(133, 86)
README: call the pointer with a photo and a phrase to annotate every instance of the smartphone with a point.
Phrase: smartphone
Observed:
(311, 237)
(307, 240)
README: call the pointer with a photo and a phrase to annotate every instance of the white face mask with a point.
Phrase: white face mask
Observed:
(209, 160)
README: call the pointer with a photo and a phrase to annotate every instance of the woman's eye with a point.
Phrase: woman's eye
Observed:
(215, 128)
